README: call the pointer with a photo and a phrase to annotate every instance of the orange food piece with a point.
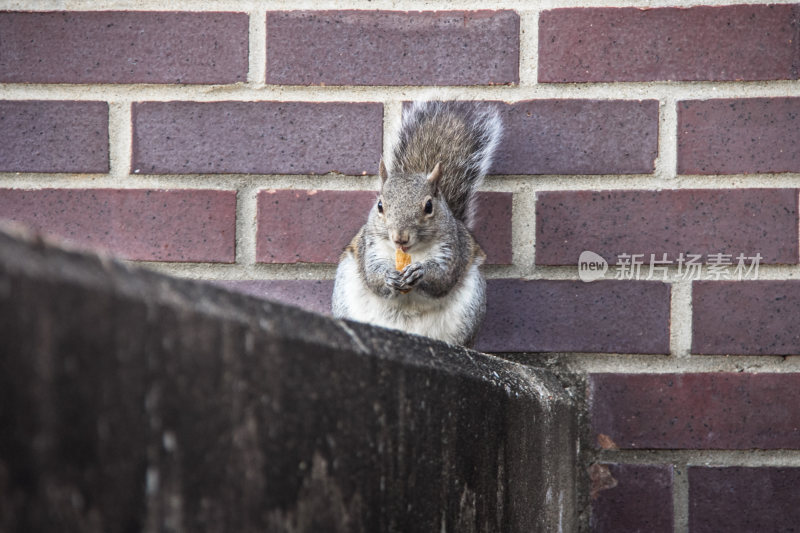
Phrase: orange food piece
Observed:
(401, 259)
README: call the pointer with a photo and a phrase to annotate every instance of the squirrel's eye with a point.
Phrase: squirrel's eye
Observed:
(428, 207)
(380, 206)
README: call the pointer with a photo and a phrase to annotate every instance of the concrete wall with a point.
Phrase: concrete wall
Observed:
(130, 401)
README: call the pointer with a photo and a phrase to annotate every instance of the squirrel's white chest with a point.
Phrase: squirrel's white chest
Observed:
(443, 318)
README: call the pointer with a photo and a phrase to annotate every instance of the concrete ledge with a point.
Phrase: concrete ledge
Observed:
(132, 401)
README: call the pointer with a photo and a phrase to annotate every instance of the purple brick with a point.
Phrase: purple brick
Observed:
(743, 499)
(610, 223)
(315, 226)
(728, 411)
(739, 136)
(702, 43)
(746, 318)
(256, 137)
(392, 47)
(146, 225)
(493, 226)
(311, 295)
(573, 316)
(578, 137)
(309, 226)
(631, 498)
(124, 47)
(53, 136)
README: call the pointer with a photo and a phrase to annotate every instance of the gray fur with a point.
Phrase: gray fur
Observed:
(442, 293)
(461, 136)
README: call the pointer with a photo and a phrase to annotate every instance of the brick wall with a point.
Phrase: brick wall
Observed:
(239, 141)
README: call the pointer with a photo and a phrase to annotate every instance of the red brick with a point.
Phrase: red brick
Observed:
(702, 43)
(746, 318)
(124, 47)
(739, 136)
(630, 497)
(573, 316)
(311, 295)
(493, 226)
(53, 136)
(392, 47)
(147, 225)
(743, 499)
(610, 223)
(256, 137)
(315, 226)
(696, 411)
(578, 137)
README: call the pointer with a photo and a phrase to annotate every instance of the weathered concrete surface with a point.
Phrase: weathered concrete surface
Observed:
(130, 401)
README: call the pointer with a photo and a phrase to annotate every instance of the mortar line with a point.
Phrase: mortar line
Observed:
(199, 181)
(667, 162)
(392, 117)
(257, 48)
(703, 457)
(523, 237)
(680, 342)
(333, 181)
(630, 91)
(602, 363)
(680, 497)
(528, 47)
(246, 225)
(236, 271)
(648, 182)
(119, 142)
(570, 273)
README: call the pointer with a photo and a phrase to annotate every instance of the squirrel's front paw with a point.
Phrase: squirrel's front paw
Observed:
(412, 274)
(394, 280)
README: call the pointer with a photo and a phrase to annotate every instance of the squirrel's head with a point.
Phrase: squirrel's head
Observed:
(409, 206)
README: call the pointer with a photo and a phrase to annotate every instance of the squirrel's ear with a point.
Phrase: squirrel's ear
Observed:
(382, 172)
(433, 177)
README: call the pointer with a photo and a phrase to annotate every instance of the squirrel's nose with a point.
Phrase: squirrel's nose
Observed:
(400, 238)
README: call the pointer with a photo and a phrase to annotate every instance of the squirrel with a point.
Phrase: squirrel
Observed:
(425, 208)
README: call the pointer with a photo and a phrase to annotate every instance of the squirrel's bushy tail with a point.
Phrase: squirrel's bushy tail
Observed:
(460, 136)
